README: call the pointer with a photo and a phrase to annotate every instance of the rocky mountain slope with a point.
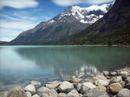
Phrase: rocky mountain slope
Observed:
(113, 28)
(70, 22)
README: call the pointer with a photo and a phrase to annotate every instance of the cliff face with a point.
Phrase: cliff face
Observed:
(113, 28)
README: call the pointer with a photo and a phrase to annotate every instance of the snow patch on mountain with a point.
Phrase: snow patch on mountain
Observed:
(97, 7)
(85, 14)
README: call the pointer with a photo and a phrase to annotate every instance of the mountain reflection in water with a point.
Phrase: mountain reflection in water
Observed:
(48, 63)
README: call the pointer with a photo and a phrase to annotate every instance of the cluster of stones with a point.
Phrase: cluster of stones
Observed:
(106, 84)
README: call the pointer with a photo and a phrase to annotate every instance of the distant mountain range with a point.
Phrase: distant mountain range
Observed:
(70, 22)
(76, 25)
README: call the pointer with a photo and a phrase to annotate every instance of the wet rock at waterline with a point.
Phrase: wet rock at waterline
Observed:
(101, 85)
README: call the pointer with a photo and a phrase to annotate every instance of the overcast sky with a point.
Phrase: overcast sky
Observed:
(17, 16)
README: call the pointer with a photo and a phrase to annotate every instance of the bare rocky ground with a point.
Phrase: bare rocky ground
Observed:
(105, 84)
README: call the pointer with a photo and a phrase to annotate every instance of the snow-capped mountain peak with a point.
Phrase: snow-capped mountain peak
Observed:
(85, 14)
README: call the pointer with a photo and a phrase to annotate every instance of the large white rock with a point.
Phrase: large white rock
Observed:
(31, 88)
(73, 93)
(28, 94)
(124, 73)
(116, 79)
(89, 85)
(66, 86)
(101, 82)
(46, 92)
(51, 93)
(43, 90)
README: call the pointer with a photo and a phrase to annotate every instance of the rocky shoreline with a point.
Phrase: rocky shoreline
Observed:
(106, 84)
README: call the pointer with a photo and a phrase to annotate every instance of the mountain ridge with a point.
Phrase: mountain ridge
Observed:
(72, 21)
(113, 28)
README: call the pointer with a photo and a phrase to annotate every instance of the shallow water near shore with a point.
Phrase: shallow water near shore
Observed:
(19, 64)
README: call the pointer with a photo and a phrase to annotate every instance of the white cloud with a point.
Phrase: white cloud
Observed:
(17, 25)
(10, 29)
(18, 4)
(73, 2)
(11, 26)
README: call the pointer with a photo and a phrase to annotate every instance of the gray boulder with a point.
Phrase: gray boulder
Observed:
(51, 93)
(73, 93)
(123, 93)
(30, 88)
(28, 94)
(66, 86)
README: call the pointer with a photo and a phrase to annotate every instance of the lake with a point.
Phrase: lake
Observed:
(19, 64)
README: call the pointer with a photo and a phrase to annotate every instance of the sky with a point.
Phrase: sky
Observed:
(17, 16)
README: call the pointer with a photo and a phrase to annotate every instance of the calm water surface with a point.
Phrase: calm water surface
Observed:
(23, 63)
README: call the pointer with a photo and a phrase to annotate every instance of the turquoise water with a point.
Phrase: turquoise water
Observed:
(23, 63)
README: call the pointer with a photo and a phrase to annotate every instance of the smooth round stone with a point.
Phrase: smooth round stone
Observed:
(115, 87)
(31, 88)
(51, 93)
(113, 73)
(89, 85)
(66, 86)
(28, 94)
(124, 73)
(101, 82)
(101, 88)
(124, 93)
(44, 95)
(73, 93)
(43, 90)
